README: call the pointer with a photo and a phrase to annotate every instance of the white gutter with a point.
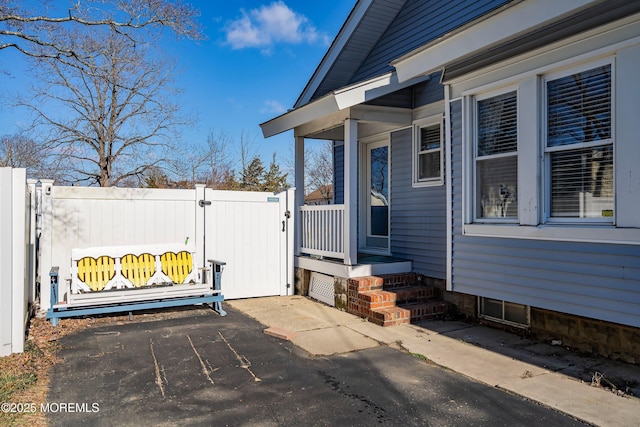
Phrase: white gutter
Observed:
(308, 112)
(519, 18)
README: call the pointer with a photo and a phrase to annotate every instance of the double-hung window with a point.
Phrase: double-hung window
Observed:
(579, 146)
(496, 157)
(427, 148)
(550, 150)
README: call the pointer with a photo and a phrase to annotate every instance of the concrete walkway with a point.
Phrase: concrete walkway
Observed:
(550, 375)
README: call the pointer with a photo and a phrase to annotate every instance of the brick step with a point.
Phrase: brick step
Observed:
(395, 299)
(390, 316)
(396, 296)
(399, 280)
(427, 310)
(366, 283)
(409, 294)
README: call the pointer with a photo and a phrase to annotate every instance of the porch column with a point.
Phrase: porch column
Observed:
(299, 194)
(350, 192)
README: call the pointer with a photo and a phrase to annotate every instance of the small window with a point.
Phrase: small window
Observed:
(496, 157)
(428, 159)
(504, 312)
(579, 146)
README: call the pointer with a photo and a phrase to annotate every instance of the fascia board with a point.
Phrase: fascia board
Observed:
(519, 18)
(305, 114)
(357, 94)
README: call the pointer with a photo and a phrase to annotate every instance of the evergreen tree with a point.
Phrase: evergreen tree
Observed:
(253, 176)
(274, 180)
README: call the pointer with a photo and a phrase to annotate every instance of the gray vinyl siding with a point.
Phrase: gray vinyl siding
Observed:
(419, 22)
(338, 173)
(595, 280)
(428, 92)
(418, 215)
(418, 95)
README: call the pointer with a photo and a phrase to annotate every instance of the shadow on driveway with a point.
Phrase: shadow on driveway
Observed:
(210, 370)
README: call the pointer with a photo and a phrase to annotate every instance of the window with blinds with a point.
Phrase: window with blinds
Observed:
(496, 157)
(429, 153)
(579, 146)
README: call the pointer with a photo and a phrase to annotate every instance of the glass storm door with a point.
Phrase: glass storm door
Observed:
(377, 196)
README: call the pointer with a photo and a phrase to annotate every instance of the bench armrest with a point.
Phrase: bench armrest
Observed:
(217, 267)
(53, 274)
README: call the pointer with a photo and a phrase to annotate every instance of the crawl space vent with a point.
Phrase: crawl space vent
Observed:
(321, 288)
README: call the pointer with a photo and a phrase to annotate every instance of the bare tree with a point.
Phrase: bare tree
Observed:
(207, 162)
(19, 151)
(247, 149)
(217, 160)
(36, 31)
(101, 99)
(108, 113)
(319, 169)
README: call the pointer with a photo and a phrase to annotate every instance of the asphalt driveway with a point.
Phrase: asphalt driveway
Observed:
(215, 371)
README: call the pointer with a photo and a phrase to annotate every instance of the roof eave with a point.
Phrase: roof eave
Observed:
(478, 35)
(338, 100)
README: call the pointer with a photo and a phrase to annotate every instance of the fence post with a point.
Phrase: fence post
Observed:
(287, 216)
(6, 314)
(199, 239)
(19, 249)
(31, 183)
(45, 241)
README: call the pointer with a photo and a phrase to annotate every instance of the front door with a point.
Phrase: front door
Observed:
(375, 202)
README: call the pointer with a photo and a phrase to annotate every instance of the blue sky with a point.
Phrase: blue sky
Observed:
(256, 60)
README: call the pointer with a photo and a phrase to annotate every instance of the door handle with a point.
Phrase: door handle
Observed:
(283, 226)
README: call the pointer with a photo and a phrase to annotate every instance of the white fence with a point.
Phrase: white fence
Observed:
(252, 232)
(243, 229)
(17, 249)
(322, 229)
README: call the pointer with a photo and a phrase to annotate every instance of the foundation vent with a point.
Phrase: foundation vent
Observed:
(321, 288)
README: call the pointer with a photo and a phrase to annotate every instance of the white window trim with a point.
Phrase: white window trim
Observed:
(532, 224)
(415, 154)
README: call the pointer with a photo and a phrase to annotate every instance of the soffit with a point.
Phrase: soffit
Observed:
(365, 25)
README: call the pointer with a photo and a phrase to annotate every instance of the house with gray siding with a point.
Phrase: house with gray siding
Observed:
(488, 148)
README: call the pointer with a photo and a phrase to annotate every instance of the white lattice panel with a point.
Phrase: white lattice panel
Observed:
(321, 288)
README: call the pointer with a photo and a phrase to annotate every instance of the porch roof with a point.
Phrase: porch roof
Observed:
(339, 100)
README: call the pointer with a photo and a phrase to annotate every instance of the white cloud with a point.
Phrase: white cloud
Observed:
(264, 27)
(273, 107)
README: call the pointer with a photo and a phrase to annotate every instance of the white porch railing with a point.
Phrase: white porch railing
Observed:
(322, 229)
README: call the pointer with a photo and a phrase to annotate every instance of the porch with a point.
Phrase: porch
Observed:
(322, 243)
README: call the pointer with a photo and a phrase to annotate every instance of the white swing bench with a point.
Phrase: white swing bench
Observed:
(114, 279)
